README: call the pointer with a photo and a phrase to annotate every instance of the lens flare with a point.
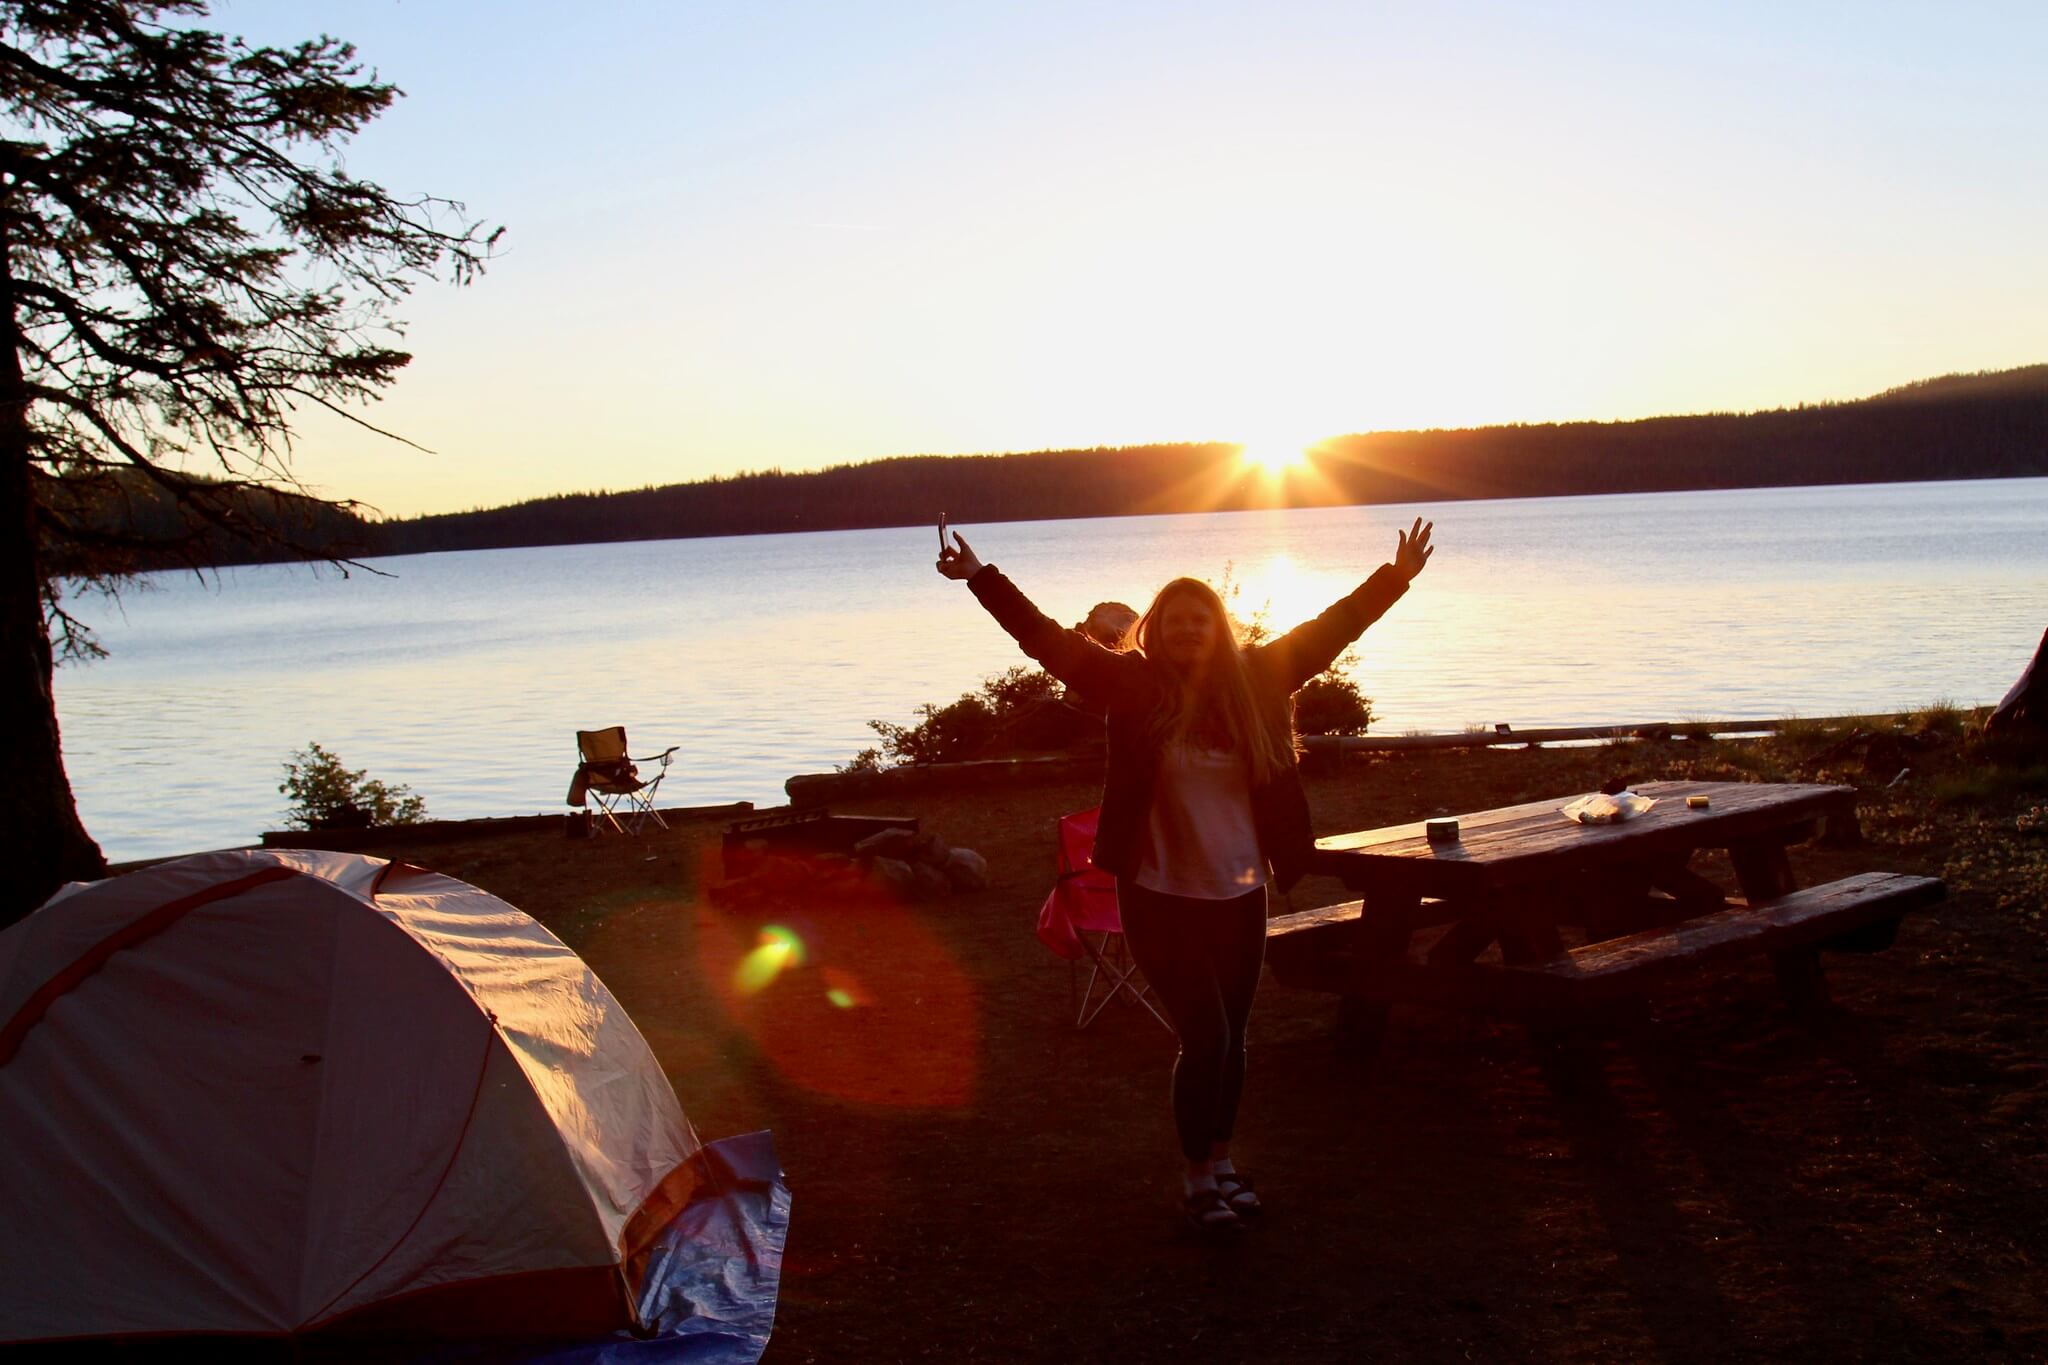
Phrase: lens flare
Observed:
(778, 949)
(843, 989)
(864, 1004)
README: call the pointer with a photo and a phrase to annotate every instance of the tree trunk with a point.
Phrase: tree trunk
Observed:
(47, 845)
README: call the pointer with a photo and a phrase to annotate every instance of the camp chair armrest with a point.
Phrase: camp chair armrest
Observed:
(665, 757)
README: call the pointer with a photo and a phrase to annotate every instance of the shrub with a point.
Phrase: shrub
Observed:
(1019, 688)
(1331, 704)
(326, 795)
(943, 734)
(1017, 709)
(868, 760)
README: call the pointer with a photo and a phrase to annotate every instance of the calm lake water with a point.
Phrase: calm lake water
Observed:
(465, 675)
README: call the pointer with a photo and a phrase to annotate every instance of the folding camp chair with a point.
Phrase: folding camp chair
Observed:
(605, 774)
(1079, 921)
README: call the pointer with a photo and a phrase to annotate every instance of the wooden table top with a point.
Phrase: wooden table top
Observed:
(1519, 845)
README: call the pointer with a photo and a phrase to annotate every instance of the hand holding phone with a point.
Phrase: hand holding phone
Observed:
(956, 561)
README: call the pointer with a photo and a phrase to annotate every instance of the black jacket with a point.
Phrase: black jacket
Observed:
(1132, 689)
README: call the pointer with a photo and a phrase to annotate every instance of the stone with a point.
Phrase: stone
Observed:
(890, 843)
(966, 870)
(893, 875)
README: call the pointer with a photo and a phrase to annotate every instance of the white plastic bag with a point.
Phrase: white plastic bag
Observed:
(1603, 809)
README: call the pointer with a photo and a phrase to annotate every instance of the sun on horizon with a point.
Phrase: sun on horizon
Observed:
(1276, 456)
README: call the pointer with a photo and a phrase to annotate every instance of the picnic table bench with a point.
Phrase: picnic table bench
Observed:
(1528, 913)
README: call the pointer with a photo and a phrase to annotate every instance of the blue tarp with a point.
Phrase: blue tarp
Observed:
(712, 1279)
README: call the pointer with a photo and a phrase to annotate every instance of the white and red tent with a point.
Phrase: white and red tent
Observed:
(277, 1092)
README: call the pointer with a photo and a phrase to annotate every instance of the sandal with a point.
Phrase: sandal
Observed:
(1209, 1211)
(1238, 1194)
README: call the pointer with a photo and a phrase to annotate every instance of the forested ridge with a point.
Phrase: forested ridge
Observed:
(1989, 425)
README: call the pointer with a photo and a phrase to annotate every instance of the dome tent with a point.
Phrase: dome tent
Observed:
(276, 1092)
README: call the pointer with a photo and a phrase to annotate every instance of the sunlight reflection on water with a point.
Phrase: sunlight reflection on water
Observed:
(465, 675)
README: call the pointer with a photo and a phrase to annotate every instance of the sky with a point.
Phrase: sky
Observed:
(758, 235)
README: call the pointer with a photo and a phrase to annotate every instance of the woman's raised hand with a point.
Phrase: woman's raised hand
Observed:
(957, 560)
(1411, 553)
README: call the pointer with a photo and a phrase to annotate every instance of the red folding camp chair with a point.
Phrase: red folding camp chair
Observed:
(1079, 921)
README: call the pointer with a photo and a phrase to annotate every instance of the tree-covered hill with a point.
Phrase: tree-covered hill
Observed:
(1987, 425)
(1992, 425)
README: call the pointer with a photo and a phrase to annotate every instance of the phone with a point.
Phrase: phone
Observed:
(942, 530)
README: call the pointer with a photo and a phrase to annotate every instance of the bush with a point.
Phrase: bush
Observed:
(1017, 709)
(1331, 704)
(1016, 690)
(868, 760)
(943, 734)
(326, 795)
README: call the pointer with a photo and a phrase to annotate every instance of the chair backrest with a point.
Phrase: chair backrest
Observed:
(1077, 841)
(1084, 896)
(1091, 891)
(602, 746)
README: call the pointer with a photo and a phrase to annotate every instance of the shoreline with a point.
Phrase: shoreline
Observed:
(372, 556)
(1321, 754)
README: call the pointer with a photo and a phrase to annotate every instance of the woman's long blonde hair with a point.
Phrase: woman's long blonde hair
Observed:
(1219, 708)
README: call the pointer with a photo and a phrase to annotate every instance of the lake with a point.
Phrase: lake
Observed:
(465, 675)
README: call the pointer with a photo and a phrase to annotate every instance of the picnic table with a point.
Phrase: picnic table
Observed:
(1529, 913)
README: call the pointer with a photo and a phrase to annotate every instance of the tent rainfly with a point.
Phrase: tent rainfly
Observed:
(269, 1093)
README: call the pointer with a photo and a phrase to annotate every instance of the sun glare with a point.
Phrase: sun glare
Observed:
(1274, 458)
(1283, 591)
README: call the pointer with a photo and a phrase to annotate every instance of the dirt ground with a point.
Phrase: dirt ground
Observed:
(974, 1179)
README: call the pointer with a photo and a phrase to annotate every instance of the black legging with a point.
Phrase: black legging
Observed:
(1202, 959)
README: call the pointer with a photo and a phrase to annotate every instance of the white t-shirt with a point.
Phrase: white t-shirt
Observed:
(1200, 840)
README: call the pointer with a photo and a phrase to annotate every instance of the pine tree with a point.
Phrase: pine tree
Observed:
(184, 260)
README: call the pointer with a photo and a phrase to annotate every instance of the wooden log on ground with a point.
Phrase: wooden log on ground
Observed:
(813, 789)
(428, 831)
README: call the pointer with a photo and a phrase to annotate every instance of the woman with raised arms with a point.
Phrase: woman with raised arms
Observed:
(1202, 805)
